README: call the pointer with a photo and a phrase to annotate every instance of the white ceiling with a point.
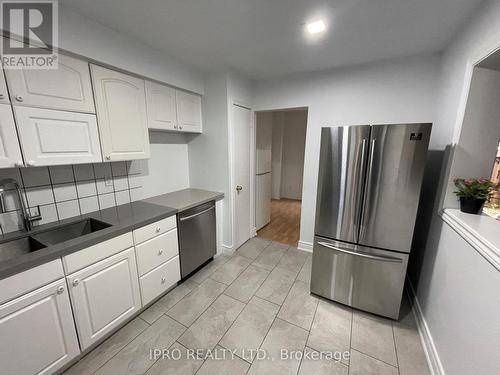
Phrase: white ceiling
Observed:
(265, 38)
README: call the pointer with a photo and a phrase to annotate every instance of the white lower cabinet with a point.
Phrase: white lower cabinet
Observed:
(37, 331)
(104, 295)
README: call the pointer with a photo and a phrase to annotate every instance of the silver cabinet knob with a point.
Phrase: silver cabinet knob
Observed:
(31, 163)
(163, 279)
(2, 96)
(158, 229)
(75, 282)
(160, 252)
(175, 126)
(239, 188)
(19, 98)
(107, 157)
(60, 289)
(180, 126)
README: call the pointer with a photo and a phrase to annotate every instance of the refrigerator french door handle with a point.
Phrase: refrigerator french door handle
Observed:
(360, 190)
(366, 190)
(362, 255)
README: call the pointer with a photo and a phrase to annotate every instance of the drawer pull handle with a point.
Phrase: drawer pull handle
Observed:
(163, 280)
(75, 282)
(60, 289)
(160, 252)
(158, 229)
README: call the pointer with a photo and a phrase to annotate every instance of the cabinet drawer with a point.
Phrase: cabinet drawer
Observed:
(24, 282)
(155, 229)
(158, 250)
(159, 280)
(93, 254)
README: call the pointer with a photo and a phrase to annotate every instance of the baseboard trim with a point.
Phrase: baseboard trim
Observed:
(305, 246)
(430, 350)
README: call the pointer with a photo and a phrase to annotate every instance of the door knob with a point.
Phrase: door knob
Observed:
(239, 188)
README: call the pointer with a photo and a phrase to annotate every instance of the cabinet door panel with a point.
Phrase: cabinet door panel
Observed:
(4, 94)
(104, 295)
(50, 137)
(188, 112)
(66, 88)
(160, 102)
(10, 151)
(37, 331)
(121, 110)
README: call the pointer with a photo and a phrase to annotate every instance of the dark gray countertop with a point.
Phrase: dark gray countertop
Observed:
(185, 199)
(123, 219)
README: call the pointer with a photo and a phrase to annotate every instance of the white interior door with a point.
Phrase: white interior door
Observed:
(241, 156)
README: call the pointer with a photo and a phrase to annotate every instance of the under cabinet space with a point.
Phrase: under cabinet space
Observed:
(37, 331)
(104, 295)
(51, 137)
(66, 88)
(121, 112)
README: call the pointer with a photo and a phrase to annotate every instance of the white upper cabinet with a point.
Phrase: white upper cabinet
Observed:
(104, 295)
(4, 94)
(10, 151)
(162, 111)
(50, 137)
(121, 111)
(188, 112)
(37, 332)
(66, 88)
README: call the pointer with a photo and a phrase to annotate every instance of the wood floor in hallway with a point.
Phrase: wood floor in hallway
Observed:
(285, 222)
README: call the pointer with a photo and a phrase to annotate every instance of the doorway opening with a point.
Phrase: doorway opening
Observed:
(279, 168)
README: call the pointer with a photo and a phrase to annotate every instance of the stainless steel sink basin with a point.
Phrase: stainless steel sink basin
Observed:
(15, 248)
(69, 231)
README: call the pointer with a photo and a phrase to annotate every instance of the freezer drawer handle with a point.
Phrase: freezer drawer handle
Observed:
(197, 214)
(363, 255)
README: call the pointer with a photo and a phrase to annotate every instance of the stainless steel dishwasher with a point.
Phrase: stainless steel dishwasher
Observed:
(197, 243)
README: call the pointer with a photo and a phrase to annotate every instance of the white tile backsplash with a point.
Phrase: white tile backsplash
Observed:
(107, 200)
(60, 174)
(68, 209)
(121, 183)
(84, 172)
(86, 188)
(104, 186)
(102, 170)
(39, 195)
(89, 204)
(48, 212)
(67, 191)
(37, 176)
(119, 168)
(64, 192)
(122, 197)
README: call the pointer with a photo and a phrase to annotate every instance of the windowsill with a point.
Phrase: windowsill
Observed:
(480, 231)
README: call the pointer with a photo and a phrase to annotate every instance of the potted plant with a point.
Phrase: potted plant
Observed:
(473, 193)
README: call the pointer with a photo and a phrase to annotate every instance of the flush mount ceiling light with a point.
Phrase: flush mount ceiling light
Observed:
(315, 27)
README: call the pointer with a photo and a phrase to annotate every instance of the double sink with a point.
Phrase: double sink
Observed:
(38, 241)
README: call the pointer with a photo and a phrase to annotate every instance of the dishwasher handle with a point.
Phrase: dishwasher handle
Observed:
(196, 214)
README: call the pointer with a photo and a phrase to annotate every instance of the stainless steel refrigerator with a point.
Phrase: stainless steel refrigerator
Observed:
(368, 193)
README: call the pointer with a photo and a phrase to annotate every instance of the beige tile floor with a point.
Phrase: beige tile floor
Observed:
(257, 299)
